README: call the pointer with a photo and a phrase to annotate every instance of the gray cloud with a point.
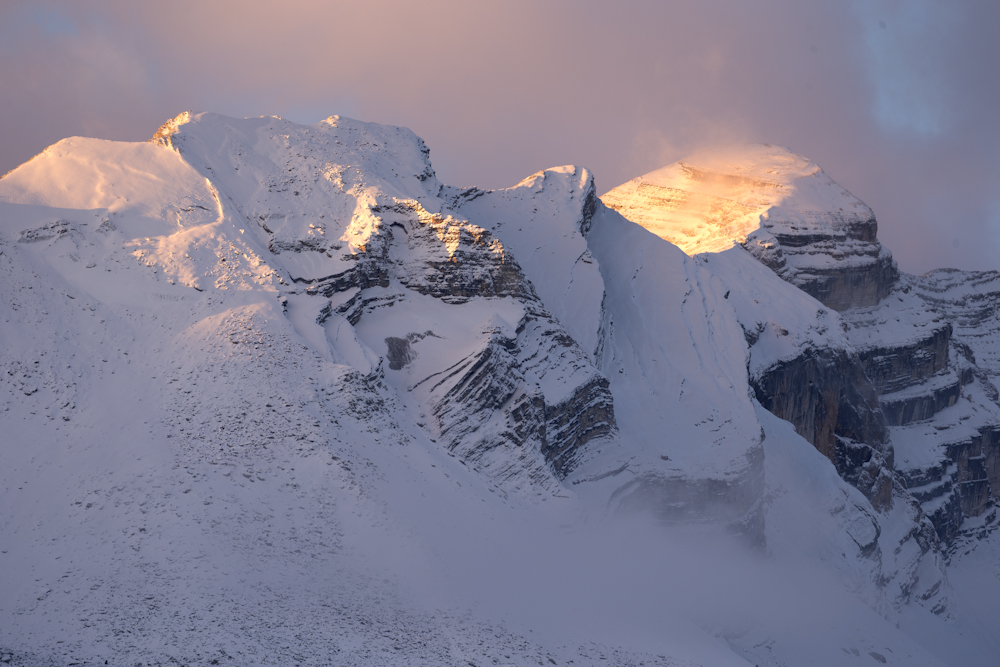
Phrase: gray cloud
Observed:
(901, 115)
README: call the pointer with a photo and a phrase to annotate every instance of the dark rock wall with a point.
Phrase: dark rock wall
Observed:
(967, 478)
(977, 474)
(824, 394)
(867, 469)
(835, 258)
(916, 408)
(893, 368)
(850, 287)
(832, 404)
(490, 386)
(588, 414)
(835, 226)
(947, 518)
(475, 264)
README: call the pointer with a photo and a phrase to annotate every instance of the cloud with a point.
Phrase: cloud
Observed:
(902, 116)
(911, 88)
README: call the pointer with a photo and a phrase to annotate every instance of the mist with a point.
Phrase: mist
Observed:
(575, 573)
(690, 592)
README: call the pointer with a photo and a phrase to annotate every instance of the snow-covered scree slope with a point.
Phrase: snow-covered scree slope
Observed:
(274, 395)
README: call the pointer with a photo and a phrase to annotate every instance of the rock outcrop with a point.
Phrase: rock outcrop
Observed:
(895, 368)
(826, 396)
(938, 401)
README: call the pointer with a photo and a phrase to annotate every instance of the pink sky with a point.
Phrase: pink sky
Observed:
(896, 100)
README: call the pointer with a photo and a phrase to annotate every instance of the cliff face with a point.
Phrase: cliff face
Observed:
(937, 398)
(826, 396)
(863, 283)
(937, 402)
(895, 368)
(959, 485)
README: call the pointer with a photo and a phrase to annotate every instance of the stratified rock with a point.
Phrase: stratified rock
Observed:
(945, 414)
(382, 260)
(825, 395)
(616, 290)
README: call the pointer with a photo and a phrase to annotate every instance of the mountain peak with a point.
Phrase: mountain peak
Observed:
(780, 206)
(716, 197)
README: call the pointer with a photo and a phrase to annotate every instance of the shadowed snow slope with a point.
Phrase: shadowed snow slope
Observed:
(272, 394)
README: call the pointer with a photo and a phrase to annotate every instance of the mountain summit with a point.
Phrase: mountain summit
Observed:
(779, 205)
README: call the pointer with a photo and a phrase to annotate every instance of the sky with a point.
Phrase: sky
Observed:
(896, 100)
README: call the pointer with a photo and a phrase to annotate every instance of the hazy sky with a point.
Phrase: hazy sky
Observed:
(897, 100)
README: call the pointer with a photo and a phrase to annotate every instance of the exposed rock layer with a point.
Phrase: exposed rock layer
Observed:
(893, 368)
(826, 396)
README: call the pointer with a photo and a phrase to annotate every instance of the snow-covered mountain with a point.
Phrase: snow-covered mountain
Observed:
(272, 394)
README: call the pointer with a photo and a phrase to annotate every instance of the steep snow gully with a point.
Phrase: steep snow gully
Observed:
(273, 394)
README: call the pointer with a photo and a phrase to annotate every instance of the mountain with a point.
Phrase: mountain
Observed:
(273, 394)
